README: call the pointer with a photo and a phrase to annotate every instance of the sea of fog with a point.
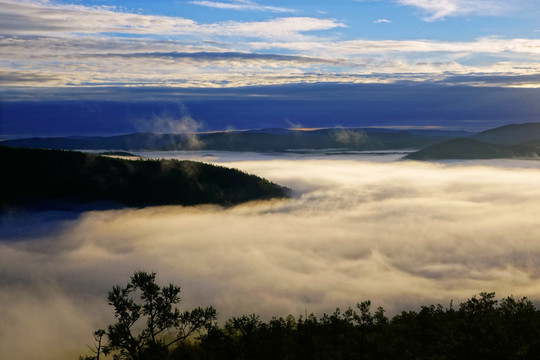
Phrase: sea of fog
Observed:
(359, 226)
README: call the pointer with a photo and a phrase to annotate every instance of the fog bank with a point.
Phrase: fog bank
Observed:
(398, 233)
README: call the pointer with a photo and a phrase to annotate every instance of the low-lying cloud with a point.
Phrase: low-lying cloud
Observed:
(398, 233)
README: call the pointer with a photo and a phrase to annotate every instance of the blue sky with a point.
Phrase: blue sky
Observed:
(371, 19)
(84, 50)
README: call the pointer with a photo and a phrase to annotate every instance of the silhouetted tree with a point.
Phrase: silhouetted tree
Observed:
(98, 347)
(142, 300)
(482, 327)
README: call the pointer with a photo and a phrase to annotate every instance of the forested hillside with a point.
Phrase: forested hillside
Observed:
(31, 175)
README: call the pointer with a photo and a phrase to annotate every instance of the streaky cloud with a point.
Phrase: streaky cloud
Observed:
(217, 56)
(438, 10)
(242, 5)
(39, 18)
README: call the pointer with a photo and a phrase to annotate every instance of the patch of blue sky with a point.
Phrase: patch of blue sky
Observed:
(362, 17)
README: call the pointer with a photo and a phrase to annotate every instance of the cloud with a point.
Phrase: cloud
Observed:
(39, 18)
(201, 57)
(439, 9)
(347, 137)
(283, 28)
(36, 17)
(241, 5)
(380, 21)
(179, 123)
(47, 44)
(364, 47)
(399, 233)
(51, 61)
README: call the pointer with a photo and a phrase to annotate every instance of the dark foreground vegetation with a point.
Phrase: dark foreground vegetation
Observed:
(30, 176)
(482, 327)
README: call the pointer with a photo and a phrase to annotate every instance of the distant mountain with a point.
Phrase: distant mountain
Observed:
(340, 138)
(31, 176)
(119, 153)
(135, 141)
(468, 148)
(528, 133)
(277, 140)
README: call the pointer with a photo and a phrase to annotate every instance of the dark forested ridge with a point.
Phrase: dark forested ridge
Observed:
(481, 327)
(31, 175)
(468, 149)
(257, 140)
(520, 141)
(511, 134)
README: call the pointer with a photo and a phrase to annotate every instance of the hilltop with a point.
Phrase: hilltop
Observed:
(511, 134)
(31, 175)
(468, 149)
(510, 141)
(264, 140)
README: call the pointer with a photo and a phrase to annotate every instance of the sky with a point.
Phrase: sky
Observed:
(80, 50)
(243, 42)
(399, 233)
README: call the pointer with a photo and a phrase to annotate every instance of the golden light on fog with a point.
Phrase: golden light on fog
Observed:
(398, 233)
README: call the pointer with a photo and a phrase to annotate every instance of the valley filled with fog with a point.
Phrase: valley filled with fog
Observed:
(357, 227)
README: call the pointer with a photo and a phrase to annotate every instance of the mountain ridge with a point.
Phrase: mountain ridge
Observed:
(262, 140)
(509, 141)
(511, 134)
(31, 175)
(470, 149)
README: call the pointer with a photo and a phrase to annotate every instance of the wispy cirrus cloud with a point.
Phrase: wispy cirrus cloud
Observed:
(284, 28)
(40, 18)
(439, 9)
(380, 21)
(242, 5)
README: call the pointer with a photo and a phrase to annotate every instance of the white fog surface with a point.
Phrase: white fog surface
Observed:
(358, 227)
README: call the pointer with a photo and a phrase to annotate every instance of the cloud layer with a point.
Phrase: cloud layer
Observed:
(398, 233)
(46, 44)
